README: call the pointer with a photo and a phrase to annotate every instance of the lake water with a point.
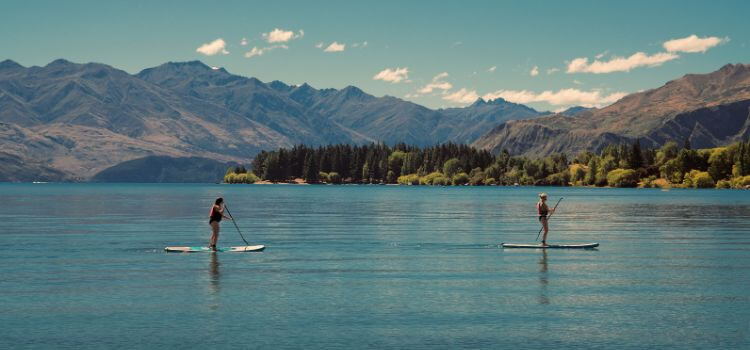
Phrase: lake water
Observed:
(355, 267)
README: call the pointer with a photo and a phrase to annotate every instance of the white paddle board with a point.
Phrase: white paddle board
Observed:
(550, 246)
(249, 248)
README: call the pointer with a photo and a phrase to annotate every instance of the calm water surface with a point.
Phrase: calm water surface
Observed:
(372, 267)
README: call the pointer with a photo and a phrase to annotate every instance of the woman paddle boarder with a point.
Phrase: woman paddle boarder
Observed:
(217, 213)
(543, 210)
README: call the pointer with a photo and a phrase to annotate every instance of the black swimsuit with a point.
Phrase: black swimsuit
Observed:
(543, 210)
(215, 216)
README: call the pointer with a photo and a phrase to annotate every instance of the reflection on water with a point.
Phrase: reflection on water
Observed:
(543, 279)
(214, 272)
(214, 279)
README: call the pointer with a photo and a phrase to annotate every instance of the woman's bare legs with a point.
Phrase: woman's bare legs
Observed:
(215, 235)
(546, 230)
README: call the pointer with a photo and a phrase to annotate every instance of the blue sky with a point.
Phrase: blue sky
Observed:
(438, 55)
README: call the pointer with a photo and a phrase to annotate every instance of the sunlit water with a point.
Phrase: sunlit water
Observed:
(354, 267)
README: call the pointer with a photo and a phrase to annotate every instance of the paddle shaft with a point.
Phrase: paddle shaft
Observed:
(550, 215)
(235, 223)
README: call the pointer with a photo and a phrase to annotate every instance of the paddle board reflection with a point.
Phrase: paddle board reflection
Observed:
(543, 281)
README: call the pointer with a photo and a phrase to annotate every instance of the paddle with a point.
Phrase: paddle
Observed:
(550, 215)
(235, 223)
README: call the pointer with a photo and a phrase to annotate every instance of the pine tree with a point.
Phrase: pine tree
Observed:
(310, 172)
(258, 164)
(635, 159)
(746, 160)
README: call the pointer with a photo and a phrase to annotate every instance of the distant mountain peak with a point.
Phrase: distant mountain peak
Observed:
(479, 102)
(194, 63)
(279, 86)
(575, 110)
(185, 66)
(9, 64)
(732, 67)
(59, 62)
(304, 88)
(353, 91)
(183, 70)
(498, 101)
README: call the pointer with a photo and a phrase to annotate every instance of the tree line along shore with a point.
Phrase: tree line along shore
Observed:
(620, 165)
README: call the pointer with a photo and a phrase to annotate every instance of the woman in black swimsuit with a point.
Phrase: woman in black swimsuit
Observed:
(217, 213)
(543, 210)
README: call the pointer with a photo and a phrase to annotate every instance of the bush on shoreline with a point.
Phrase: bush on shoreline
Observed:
(622, 178)
(240, 178)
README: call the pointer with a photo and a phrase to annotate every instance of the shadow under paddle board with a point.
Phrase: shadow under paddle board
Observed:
(550, 246)
(249, 248)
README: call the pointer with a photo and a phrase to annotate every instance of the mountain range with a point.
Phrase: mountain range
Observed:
(707, 109)
(69, 121)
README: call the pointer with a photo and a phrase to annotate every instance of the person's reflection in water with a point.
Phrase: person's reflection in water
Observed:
(215, 274)
(543, 298)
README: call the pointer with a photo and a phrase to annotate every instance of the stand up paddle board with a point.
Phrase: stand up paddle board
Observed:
(551, 246)
(249, 248)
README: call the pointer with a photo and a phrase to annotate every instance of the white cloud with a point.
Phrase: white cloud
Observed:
(552, 71)
(335, 47)
(456, 43)
(534, 71)
(599, 56)
(693, 44)
(492, 69)
(362, 44)
(393, 75)
(577, 82)
(463, 96)
(281, 36)
(213, 48)
(440, 76)
(594, 98)
(243, 42)
(619, 64)
(319, 45)
(255, 51)
(436, 84)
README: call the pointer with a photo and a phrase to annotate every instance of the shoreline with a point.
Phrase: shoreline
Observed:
(541, 186)
(265, 182)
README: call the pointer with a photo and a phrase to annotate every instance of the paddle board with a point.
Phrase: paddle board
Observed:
(539, 246)
(250, 248)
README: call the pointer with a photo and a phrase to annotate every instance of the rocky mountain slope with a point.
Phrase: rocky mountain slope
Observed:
(69, 121)
(708, 109)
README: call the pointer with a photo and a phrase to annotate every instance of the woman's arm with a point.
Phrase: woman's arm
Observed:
(221, 211)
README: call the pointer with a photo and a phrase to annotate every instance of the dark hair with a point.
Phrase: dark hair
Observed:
(219, 201)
